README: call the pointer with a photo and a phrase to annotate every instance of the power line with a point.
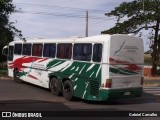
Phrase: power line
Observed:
(60, 14)
(91, 3)
(60, 7)
(63, 15)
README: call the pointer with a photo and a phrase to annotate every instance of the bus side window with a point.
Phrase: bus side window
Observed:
(10, 53)
(64, 50)
(97, 52)
(18, 49)
(49, 50)
(82, 52)
(37, 50)
(27, 49)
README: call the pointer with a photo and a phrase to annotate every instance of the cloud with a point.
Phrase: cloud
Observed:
(59, 23)
(39, 25)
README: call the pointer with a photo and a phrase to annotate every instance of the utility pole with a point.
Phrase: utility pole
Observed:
(145, 17)
(86, 23)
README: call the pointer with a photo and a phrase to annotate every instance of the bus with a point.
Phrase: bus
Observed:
(96, 68)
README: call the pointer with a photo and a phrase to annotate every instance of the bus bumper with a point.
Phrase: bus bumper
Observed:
(114, 94)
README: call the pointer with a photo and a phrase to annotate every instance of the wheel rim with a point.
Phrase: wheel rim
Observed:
(16, 75)
(54, 86)
(67, 89)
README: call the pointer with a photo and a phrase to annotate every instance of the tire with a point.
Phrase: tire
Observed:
(68, 90)
(55, 87)
(16, 76)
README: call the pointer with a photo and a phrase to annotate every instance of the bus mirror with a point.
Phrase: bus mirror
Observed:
(5, 50)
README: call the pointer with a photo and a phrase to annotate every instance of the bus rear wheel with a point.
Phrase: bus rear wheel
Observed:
(55, 86)
(16, 76)
(68, 90)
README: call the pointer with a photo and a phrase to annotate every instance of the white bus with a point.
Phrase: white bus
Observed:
(98, 68)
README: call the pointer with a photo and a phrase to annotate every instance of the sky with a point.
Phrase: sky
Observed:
(64, 18)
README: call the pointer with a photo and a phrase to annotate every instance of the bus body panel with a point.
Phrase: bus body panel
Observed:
(105, 60)
(35, 71)
(126, 61)
(84, 76)
(28, 69)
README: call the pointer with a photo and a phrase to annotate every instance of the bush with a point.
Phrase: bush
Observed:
(3, 69)
(3, 58)
(3, 66)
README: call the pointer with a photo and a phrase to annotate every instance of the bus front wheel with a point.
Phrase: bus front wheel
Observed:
(55, 87)
(68, 90)
(16, 76)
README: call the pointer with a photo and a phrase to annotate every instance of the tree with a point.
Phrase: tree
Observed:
(7, 29)
(147, 52)
(141, 14)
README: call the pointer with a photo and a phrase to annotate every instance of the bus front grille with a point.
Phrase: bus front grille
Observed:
(94, 87)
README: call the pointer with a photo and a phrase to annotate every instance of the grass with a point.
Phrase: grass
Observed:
(3, 73)
(147, 59)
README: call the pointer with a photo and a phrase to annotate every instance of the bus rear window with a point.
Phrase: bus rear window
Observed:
(97, 52)
(37, 50)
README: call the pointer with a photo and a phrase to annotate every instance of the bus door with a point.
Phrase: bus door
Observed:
(10, 60)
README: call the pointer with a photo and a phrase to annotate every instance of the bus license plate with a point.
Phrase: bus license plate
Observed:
(127, 93)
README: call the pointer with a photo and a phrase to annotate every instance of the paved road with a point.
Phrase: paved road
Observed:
(27, 97)
(152, 90)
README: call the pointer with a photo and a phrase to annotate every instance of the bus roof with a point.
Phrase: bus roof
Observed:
(94, 39)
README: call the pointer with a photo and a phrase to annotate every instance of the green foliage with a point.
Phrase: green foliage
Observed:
(3, 73)
(138, 16)
(147, 52)
(7, 29)
(3, 69)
